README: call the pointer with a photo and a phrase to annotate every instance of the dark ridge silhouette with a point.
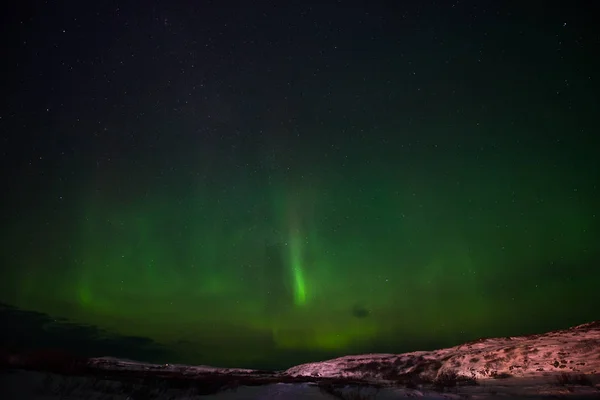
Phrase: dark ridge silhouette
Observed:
(31, 331)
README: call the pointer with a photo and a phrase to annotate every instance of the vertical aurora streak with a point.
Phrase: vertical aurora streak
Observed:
(297, 267)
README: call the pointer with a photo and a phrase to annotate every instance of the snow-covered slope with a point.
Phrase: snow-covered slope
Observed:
(574, 351)
(565, 363)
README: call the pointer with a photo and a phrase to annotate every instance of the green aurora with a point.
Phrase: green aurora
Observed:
(428, 258)
(277, 185)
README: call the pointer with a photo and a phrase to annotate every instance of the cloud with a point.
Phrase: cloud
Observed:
(359, 311)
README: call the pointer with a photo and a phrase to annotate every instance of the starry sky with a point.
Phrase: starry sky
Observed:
(264, 183)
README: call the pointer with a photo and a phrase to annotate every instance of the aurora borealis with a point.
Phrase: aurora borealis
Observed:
(263, 185)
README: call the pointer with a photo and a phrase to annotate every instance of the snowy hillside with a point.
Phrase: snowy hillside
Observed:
(574, 351)
(565, 363)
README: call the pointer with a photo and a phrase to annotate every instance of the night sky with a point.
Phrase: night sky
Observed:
(263, 183)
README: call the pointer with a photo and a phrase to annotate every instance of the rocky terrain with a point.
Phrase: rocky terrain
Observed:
(563, 363)
(574, 351)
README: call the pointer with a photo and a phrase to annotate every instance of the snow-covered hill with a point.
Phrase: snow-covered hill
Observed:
(573, 351)
(565, 363)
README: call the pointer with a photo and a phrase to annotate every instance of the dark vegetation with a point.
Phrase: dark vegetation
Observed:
(414, 373)
(501, 375)
(595, 325)
(450, 379)
(565, 379)
(587, 345)
(473, 342)
(420, 371)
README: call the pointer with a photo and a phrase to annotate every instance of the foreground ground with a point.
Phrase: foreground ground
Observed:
(564, 364)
